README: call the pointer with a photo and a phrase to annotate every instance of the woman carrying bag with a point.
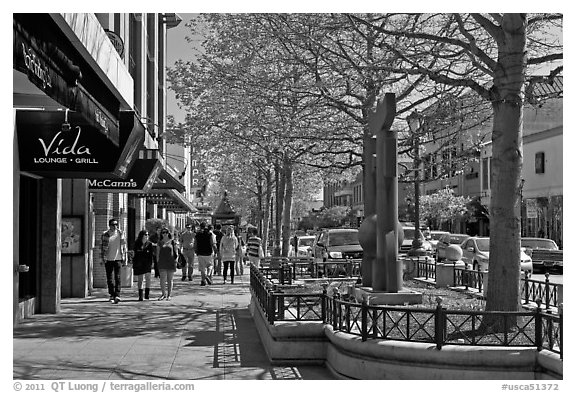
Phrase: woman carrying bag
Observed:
(144, 258)
(167, 257)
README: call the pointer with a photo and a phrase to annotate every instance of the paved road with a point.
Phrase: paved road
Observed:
(553, 278)
(203, 333)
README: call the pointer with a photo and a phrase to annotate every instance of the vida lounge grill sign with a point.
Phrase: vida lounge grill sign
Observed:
(48, 147)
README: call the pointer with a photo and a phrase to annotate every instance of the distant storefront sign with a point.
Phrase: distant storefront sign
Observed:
(531, 209)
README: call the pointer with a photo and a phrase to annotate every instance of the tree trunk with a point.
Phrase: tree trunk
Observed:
(287, 214)
(260, 196)
(508, 92)
(267, 214)
(279, 208)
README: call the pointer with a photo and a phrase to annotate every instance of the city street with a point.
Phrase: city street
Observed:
(143, 139)
(553, 278)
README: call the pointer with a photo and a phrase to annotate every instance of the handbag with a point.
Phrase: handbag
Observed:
(181, 261)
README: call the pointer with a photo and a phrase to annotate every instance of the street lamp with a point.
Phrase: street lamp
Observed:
(415, 124)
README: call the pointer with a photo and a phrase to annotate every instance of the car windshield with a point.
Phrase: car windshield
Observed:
(483, 244)
(538, 243)
(343, 238)
(306, 242)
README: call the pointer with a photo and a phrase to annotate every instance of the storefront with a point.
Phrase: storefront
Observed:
(69, 125)
(166, 193)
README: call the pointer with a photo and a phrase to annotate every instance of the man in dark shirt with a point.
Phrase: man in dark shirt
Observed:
(205, 248)
(217, 257)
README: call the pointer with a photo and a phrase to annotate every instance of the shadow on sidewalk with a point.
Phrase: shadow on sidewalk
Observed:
(199, 324)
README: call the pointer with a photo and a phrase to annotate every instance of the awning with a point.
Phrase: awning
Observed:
(140, 179)
(167, 181)
(52, 65)
(51, 147)
(475, 209)
(171, 200)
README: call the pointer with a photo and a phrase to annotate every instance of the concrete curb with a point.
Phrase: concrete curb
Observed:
(348, 357)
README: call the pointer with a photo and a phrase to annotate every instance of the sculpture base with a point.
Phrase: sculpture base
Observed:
(402, 297)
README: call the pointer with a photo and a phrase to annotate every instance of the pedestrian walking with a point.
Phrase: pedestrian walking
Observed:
(218, 258)
(205, 248)
(144, 258)
(227, 250)
(239, 263)
(113, 253)
(187, 244)
(167, 256)
(155, 239)
(254, 247)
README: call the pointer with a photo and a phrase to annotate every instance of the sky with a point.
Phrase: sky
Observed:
(177, 49)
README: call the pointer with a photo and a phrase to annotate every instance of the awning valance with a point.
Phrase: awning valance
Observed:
(140, 179)
(52, 65)
(170, 199)
(167, 181)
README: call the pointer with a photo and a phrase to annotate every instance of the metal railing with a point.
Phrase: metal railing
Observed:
(287, 269)
(279, 306)
(467, 278)
(439, 325)
(534, 291)
(426, 268)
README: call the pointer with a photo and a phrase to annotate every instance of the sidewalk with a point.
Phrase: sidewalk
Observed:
(203, 333)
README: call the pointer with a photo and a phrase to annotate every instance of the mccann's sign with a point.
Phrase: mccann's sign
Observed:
(139, 180)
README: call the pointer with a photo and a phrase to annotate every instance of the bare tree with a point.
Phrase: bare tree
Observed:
(493, 56)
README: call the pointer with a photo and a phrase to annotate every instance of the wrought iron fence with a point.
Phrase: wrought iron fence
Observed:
(287, 269)
(337, 268)
(464, 277)
(279, 306)
(439, 325)
(533, 291)
(426, 268)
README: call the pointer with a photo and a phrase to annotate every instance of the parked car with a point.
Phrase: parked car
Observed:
(337, 243)
(434, 237)
(544, 253)
(476, 252)
(305, 244)
(446, 240)
(409, 238)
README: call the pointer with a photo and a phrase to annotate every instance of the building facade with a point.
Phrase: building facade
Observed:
(542, 173)
(89, 118)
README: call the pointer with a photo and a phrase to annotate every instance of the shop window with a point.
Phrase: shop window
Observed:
(539, 162)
